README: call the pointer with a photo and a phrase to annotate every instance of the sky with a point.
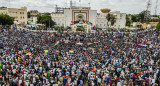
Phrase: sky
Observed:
(124, 6)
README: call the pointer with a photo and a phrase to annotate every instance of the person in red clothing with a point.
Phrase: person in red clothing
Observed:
(10, 67)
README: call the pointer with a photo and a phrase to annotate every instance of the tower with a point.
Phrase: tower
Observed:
(156, 7)
(147, 12)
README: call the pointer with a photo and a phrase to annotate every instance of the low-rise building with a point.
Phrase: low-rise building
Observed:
(58, 18)
(20, 15)
(34, 13)
(102, 21)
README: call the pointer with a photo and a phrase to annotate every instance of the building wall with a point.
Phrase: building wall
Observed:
(20, 15)
(92, 16)
(67, 17)
(101, 20)
(58, 18)
(3, 10)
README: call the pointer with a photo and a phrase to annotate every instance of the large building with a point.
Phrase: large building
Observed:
(86, 17)
(20, 15)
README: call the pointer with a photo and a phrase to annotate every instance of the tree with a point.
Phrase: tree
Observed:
(128, 20)
(142, 15)
(6, 19)
(80, 28)
(110, 18)
(113, 20)
(45, 19)
(135, 18)
(158, 27)
(28, 14)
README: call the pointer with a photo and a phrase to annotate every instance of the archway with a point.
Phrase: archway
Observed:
(80, 17)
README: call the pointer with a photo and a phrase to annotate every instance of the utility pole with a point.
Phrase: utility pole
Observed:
(70, 3)
(49, 24)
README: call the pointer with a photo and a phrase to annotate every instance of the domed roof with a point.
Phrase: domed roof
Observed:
(105, 10)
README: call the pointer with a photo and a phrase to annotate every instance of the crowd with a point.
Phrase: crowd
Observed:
(79, 59)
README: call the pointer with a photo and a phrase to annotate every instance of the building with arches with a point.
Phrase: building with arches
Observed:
(86, 17)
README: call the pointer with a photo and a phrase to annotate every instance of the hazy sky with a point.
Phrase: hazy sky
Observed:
(126, 6)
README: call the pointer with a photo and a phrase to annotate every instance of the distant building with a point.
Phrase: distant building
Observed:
(34, 13)
(58, 18)
(33, 16)
(101, 21)
(86, 17)
(20, 15)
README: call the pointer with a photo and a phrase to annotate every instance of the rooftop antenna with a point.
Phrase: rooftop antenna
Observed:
(156, 7)
(66, 3)
(71, 3)
(89, 3)
(56, 8)
(80, 2)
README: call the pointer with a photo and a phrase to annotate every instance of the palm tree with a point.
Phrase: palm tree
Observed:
(113, 20)
(110, 18)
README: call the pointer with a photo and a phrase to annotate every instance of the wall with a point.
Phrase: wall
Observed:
(58, 18)
(92, 16)
(67, 17)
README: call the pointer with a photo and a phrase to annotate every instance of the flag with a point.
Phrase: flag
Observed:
(89, 43)
(118, 32)
(70, 51)
(29, 53)
(91, 83)
(43, 40)
(81, 22)
(70, 62)
(93, 50)
(46, 51)
(56, 43)
(143, 45)
(52, 35)
(0, 66)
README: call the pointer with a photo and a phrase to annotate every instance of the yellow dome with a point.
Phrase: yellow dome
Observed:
(105, 10)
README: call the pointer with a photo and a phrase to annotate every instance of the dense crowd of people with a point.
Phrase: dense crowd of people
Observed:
(79, 59)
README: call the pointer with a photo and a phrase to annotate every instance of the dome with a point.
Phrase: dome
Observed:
(105, 10)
